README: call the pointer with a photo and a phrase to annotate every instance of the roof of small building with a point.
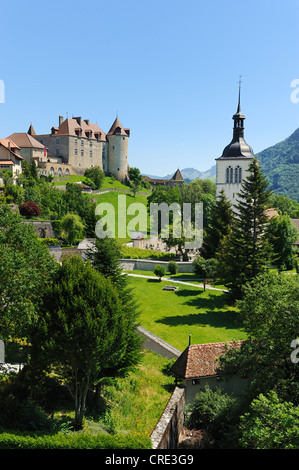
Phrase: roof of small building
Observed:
(200, 360)
(24, 140)
(177, 176)
(11, 146)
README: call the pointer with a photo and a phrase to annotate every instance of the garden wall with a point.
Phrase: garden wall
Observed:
(149, 265)
(156, 344)
(169, 428)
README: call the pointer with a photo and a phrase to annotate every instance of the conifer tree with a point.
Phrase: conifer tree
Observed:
(245, 251)
(220, 221)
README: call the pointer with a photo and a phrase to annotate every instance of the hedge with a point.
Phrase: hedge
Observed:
(73, 441)
(128, 252)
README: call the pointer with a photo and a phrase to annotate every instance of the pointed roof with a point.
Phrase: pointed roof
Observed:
(177, 176)
(31, 131)
(117, 129)
(200, 360)
(238, 147)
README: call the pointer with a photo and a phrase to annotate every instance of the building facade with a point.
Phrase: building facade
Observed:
(76, 145)
(231, 167)
(10, 158)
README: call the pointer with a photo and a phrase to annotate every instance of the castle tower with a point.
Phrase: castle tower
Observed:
(118, 139)
(231, 167)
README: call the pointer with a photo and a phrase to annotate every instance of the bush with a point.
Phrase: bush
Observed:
(30, 209)
(23, 415)
(213, 411)
(128, 252)
(160, 271)
(73, 440)
(172, 267)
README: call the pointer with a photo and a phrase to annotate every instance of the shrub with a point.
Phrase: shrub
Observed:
(172, 267)
(73, 441)
(160, 271)
(30, 209)
(214, 411)
(23, 415)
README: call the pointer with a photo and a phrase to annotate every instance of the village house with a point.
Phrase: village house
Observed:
(10, 158)
(198, 366)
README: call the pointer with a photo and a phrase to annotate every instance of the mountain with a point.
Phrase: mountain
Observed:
(190, 174)
(280, 163)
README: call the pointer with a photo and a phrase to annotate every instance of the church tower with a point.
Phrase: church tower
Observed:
(118, 139)
(231, 167)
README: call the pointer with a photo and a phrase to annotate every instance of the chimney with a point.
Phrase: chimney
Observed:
(60, 120)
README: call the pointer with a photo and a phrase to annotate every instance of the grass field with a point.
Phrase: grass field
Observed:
(121, 217)
(136, 402)
(173, 315)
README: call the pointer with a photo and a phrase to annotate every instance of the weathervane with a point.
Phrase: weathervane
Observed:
(240, 81)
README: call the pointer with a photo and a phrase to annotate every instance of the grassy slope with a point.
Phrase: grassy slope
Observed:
(121, 217)
(174, 315)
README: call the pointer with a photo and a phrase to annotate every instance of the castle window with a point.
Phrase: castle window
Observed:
(82, 153)
(229, 174)
(90, 153)
(57, 141)
(57, 151)
(82, 143)
(76, 151)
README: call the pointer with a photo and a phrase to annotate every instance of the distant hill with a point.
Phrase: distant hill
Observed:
(190, 174)
(280, 163)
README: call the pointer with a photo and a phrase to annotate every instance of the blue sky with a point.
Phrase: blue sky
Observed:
(170, 70)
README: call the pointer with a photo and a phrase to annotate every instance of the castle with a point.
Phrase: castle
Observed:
(76, 145)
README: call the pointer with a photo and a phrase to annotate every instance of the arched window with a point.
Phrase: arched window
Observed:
(59, 172)
(229, 174)
(67, 172)
(238, 174)
(52, 171)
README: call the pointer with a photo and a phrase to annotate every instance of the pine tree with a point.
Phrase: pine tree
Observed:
(246, 252)
(220, 221)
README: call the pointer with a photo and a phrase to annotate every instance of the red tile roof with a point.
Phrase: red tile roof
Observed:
(25, 140)
(200, 360)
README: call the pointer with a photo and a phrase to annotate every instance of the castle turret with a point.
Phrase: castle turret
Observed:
(118, 139)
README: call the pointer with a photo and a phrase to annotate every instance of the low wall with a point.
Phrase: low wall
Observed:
(156, 344)
(149, 265)
(169, 428)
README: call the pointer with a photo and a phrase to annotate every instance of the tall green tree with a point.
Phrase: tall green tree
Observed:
(218, 227)
(72, 227)
(83, 329)
(246, 252)
(105, 258)
(282, 235)
(26, 267)
(269, 311)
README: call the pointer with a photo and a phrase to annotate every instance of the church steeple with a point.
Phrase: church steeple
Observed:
(239, 118)
(238, 148)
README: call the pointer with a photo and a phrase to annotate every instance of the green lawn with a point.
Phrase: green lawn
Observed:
(172, 316)
(121, 217)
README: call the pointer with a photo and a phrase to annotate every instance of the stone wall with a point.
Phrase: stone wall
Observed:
(169, 428)
(43, 229)
(149, 265)
(156, 344)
